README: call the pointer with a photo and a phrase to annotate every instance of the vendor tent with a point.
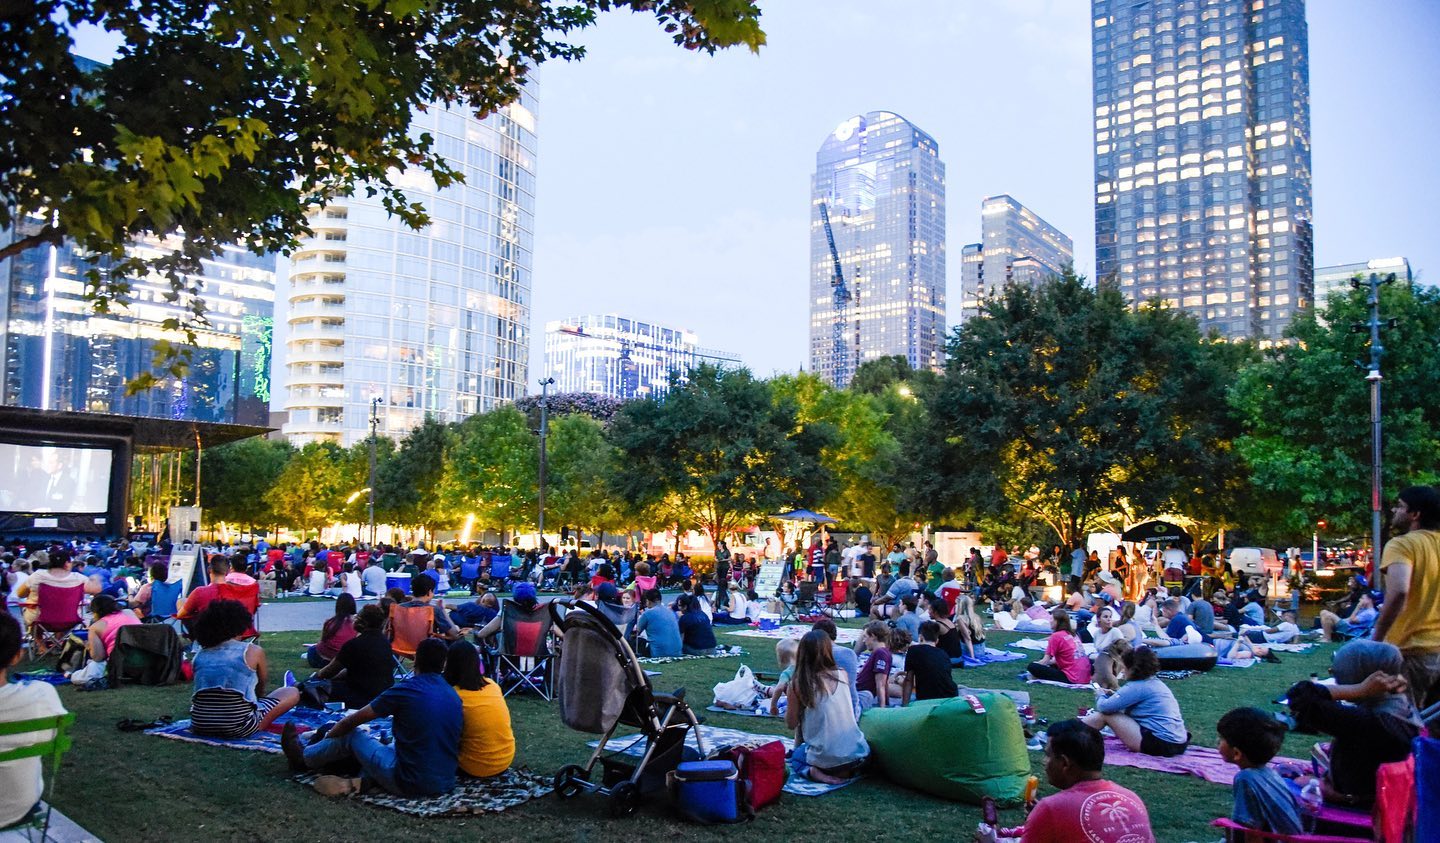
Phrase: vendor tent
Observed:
(1156, 531)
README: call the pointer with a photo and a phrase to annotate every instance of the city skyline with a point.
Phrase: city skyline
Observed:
(621, 356)
(1016, 245)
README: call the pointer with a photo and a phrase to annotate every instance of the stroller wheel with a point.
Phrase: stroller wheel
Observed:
(624, 799)
(567, 781)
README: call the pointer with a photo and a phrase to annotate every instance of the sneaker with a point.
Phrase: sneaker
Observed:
(1037, 743)
(290, 680)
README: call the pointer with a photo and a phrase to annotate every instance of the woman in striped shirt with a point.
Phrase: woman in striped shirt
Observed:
(229, 699)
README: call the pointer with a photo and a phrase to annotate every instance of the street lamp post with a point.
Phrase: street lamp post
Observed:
(374, 428)
(544, 431)
(1372, 374)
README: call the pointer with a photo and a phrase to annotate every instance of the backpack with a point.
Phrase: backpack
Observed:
(762, 768)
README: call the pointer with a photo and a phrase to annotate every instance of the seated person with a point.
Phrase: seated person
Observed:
(845, 659)
(1087, 807)
(422, 593)
(373, 578)
(1285, 632)
(1143, 714)
(21, 782)
(1176, 627)
(785, 650)
(863, 597)
(1202, 614)
(927, 668)
(1064, 660)
(949, 639)
(970, 628)
(829, 745)
(1368, 714)
(100, 640)
(51, 569)
(739, 603)
(201, 597)
(336, 630)
(873, 681)
(900, 643)
(697, 636)
(427, 721)
(365, 666)
(229, 699)
(487, 743)
(1249, 738)
(157, 600)
(660, 627)
(477, 613)
(889, 603)
(1110, 646)
(908, 618)
(1359, 623)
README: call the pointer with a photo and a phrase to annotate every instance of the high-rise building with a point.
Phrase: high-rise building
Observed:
(622, 357)
(877, 247)
(1330, 279)
(1202, 158)
(430, 322)
(62, 355)
(1017, 247)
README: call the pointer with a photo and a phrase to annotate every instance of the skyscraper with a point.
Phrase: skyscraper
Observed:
(61, 355)
(877, 247)
(428, 322)
(1330, 279)
(1017, 246)
(622, 357)
(1202, 158)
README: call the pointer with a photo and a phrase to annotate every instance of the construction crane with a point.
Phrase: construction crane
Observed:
(841, 303)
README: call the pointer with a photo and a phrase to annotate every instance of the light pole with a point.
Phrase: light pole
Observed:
(1372, 374)
(544, 431)
(374, 427)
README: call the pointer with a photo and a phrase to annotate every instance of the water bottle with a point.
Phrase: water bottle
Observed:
(1311, 800)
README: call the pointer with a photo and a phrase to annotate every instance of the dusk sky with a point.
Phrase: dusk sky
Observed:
(675, 187)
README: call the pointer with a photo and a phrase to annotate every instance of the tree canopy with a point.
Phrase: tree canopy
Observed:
(228, 123)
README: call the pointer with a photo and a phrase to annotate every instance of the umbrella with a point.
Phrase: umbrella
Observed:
(1156, 531)
(804, 515)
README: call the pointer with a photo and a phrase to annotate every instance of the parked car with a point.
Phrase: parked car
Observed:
(1254, 560)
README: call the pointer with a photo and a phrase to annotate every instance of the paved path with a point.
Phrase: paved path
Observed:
(288, 616)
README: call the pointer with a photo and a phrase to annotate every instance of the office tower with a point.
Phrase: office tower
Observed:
(61, 355)
(622, 357)
(421, 322)
(1202, 158)
(1017, 246)
(1332, 279)
(877, 247)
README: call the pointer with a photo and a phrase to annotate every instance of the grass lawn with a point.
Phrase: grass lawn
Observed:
(126, 786)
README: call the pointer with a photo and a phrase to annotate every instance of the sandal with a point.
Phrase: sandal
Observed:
(130, 724)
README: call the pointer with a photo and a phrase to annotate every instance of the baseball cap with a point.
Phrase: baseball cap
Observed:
(525, 591)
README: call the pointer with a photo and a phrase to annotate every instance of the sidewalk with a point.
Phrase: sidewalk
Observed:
(62, 830)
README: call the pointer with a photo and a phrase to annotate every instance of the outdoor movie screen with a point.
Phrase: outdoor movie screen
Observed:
(48, 478)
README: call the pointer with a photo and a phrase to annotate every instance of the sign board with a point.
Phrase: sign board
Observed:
(182, 566)
(767, 582)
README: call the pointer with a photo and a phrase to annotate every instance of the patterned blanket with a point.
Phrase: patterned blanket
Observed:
(470, 796)
(304, 719)
(797, 630)
(720, 653)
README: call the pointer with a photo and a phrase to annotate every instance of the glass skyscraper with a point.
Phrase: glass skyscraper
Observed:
(61, 355)
(877, 219)
(622, 357)
(1017, 246)
(1334, 279)
(429, 322)
(1202, 158)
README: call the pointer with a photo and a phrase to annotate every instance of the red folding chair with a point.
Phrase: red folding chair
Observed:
(247, 596)
(1237, 833)
(408, 626)
(58, 617)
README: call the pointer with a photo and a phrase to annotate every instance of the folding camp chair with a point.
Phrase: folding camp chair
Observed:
(409, 625)
(59, 616)
(1236, 833)
(839, 595)
(524, 657)
(51, 748)
(247, 596)
(807, 603)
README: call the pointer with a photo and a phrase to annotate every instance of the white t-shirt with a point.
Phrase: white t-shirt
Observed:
(352, 584)
(317, 581)
(58, 577)
(1174, 557)
(374, 579)
(21, 783)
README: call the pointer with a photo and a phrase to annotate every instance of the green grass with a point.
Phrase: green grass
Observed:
(126, 786)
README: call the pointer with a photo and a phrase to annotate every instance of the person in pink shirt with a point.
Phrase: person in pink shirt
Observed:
(1087, 807)
(1065, 659)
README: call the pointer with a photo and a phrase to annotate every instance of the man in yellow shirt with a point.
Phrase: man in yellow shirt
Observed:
(1410, 618)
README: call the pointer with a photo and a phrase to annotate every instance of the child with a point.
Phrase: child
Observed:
(1249, 738)
(927, 668)
(785, 651)
(900, 642)
(873, 681)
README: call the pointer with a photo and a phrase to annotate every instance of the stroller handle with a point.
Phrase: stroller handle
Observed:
(595, 613)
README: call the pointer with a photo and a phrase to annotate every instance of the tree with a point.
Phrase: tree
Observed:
(228, 123)
(408, 484)
(235, 477)
(1062, 404)
(1306, 410)
(580, 463)
(311, 490)
(725, 447)
(492, 470)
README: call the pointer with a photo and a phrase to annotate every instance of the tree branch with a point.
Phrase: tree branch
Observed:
(49, 235)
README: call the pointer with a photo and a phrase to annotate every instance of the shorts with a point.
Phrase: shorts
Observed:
(1151, 744)
(223, 713)
(1422, 672)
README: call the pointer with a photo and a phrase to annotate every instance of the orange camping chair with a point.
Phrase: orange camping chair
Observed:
(409, 625)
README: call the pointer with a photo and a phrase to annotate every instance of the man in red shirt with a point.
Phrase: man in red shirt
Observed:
(1087, 807)
(201, 597)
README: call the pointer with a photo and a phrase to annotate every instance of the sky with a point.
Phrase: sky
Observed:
(674, 187)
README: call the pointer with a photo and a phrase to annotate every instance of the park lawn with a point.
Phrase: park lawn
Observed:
(125, 786)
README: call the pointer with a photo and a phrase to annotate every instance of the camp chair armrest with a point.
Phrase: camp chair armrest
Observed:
(676, 696)
(1230, 825)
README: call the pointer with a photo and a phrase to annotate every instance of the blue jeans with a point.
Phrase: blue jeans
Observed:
(377, 761)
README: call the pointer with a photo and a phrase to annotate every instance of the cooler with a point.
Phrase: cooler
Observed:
(398, 580)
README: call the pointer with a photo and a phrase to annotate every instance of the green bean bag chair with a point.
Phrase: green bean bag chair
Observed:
(942, 747)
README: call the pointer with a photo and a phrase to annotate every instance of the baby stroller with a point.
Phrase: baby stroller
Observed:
(601, 685)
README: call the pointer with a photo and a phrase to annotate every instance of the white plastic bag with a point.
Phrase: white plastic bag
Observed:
(738, 692)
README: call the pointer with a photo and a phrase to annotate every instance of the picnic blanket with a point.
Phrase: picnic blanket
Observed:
(716, 736)
(1199, 761)
(1031, 680)
(720, 653)
(304, 719)
(989, 656)
(845, 635)
(1039, 644)
(471, 795)
(743, 712)
(51, 677)
(1234, 663)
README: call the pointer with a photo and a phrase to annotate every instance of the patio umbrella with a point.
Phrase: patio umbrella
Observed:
(1156, 531)
(804, 515)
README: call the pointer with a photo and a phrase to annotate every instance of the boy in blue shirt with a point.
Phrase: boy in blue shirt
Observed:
(1249, 738)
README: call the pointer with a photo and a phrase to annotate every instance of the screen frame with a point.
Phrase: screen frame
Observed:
(108, 522)
(109, 486)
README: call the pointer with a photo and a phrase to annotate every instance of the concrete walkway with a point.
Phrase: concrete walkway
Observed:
(62, 830)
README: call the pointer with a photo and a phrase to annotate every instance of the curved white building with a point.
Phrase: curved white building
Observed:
(434, 321)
